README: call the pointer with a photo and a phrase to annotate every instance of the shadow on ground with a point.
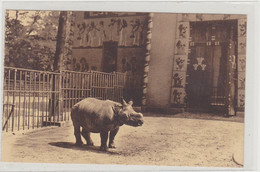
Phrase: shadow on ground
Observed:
(70, 145)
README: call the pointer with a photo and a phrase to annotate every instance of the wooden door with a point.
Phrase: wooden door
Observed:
(207, 81)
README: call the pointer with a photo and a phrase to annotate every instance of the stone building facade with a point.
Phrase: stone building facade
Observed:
(181, 61)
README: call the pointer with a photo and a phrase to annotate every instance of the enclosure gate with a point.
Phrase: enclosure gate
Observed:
(33, 99)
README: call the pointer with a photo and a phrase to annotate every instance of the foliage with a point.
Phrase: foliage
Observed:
(30, 39)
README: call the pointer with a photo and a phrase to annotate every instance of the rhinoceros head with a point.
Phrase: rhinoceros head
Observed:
(129, 116)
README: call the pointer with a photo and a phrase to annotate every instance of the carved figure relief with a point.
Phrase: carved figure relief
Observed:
(242, 64)
(130, 65)
(179, 63)
(135, 32)
(182, 31)
(181, 47)
(91, 30)
(241, 45)
(241, 82)
(199, 17)
(176, 96)
(75, 65)
(83, 65)
(101, 33)
(177, 80)
(241, 100)
(226, 16)
(81, 29)
(112, 26)
(242, 28)
(121, 30)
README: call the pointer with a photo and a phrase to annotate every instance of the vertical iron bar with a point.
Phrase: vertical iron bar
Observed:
(29, 104)
(34, 94)
(47, 96)
(39, 93)
(19, 111)
(14, 89)
(8, 87)
(24, 107)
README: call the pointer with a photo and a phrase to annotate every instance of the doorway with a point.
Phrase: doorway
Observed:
(207, 73)
(109, 56)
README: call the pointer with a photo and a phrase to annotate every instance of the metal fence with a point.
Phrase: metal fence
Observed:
(35, 99)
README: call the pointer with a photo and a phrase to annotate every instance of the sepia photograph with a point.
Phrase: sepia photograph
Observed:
(124, 88)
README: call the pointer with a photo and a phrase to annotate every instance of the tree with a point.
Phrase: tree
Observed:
(30, 39)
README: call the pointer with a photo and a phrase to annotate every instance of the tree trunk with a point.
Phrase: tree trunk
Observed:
(58, 64)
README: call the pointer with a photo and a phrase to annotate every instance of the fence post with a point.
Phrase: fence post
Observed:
(90, 83)
(60, 101)
(14, 91)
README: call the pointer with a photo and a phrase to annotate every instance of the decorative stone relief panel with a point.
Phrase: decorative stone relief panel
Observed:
(181, 46)
(128, 31)
(179, 79)
(241, 45)
(241, 98)
(241, 80)
(241, 30)
(241, 62)
(242, 27)
(183, 30)
(180, 63)
(177, 96)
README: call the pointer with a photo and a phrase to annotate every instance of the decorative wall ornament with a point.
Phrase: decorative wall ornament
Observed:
(241, 83)
(147, 58)
(81, 29)
(181, 46)
(226, 16)
(102, 33)
(122, 24)
(241, 62)
(83, 65)
(180, 63)
(128, 31)
(177, 97)
(183, 30)
(241, 45)
(242, 26)
(112, 27)
(241, 99)
(199, 64)
(178, 80)
(199, 17)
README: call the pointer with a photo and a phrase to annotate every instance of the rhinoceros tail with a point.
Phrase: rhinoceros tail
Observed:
(74, 112)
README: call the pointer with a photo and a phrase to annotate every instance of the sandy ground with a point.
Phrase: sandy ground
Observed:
(160, 141)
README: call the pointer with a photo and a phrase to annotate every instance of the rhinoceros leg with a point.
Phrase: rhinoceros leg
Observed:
(77, 135)
(112, 137)
(104, 137)
(87, 137)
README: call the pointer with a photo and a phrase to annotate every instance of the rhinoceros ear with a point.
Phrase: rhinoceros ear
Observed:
(123, 102)
(130, 103)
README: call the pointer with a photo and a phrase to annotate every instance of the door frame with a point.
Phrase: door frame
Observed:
(218, 109)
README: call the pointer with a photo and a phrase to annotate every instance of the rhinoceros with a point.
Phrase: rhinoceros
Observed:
(102, 116)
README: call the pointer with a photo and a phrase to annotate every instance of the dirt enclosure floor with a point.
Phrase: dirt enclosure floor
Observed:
(160, 141)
